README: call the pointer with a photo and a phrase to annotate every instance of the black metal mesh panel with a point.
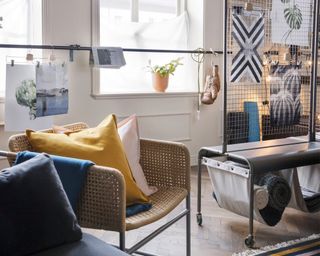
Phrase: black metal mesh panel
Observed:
(273, 103)
(317, 117)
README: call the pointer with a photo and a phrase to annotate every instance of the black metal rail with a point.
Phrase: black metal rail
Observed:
(76, 47)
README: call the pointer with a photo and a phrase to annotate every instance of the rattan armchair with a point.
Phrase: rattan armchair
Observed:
(165, 164)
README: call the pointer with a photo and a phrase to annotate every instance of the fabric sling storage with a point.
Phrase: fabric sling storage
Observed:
(285, 157)
(231, 190)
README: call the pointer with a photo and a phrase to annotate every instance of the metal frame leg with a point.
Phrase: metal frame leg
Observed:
(202, 153)
(188, 226)
(249, 241)
(185, 213)
(199, 215)
(148, 238)
(122, 241)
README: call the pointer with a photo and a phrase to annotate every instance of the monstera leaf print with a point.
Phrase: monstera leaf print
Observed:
(293, 17)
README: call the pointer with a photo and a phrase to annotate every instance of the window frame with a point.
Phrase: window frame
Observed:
(95, 41)
(30, 30)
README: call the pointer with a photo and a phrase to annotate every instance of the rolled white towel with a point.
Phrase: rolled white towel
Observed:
(261, 196)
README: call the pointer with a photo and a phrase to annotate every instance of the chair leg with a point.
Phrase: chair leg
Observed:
(122, 241)
(188, 230)
(187, 213)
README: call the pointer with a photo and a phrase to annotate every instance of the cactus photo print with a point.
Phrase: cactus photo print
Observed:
(20, 100)
(291, 22)
(285, 89)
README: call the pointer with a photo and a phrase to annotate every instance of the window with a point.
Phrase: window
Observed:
(21, 24)
(153, 24)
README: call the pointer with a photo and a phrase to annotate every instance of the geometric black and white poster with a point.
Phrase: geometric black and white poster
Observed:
(248, 33)
(285, 90)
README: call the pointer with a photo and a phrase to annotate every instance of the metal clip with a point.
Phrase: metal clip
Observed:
(71, 51)
(29, 57)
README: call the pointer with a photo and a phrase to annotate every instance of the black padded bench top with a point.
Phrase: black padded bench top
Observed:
(87, 246)
(271, 155)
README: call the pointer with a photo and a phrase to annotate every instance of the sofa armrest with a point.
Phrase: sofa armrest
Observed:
(103, 200)
(165, 164)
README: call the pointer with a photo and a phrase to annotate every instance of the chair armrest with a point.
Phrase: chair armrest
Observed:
(165, 164)
(103, 200)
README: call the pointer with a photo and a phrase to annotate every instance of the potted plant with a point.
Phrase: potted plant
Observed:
(160, 74)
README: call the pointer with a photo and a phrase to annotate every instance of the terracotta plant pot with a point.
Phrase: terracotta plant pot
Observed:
(160, 84)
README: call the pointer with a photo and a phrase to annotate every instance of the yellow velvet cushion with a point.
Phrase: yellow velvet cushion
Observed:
(101, 145)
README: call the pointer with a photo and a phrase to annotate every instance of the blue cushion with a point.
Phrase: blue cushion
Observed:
(88, 246)
(72, 173)
(35, 213)
(252, 109)
(137, 208)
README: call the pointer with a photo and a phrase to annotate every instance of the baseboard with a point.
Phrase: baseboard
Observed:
(194, 160)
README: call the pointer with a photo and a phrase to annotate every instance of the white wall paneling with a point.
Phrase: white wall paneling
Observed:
(172, 118)
(172, 127)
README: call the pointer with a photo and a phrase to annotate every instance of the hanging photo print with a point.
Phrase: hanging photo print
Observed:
(285, 89)
(20, 104)
(291, 22)
(52, 89)
(248, 33)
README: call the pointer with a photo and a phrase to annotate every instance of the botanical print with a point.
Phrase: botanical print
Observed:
(285, 89)
(291, 22)
(248, 33)
(20, 100)
(26, 96)
(52, 89)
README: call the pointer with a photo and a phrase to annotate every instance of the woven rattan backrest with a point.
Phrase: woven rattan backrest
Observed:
(19, 142)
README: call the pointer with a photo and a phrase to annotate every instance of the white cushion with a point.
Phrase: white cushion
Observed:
(129, 134)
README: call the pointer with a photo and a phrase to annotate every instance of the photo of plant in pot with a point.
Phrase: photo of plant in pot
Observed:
(161, 73)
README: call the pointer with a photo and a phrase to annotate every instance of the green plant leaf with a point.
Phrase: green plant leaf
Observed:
(166, 69)
(293, 17)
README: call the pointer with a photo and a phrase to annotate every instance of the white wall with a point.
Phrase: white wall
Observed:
(162, 117)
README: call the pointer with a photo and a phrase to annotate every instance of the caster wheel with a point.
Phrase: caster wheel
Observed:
(249, 241)
(199, 219)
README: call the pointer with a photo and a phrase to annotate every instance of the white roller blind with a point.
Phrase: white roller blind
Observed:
(155, 25)
(134, 78)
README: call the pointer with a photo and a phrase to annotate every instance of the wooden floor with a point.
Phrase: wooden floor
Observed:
(222, 232)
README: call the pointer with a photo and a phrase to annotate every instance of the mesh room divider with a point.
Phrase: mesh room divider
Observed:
(269, 66)
(270, 94)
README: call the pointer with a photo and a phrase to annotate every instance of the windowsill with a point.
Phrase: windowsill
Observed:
(144, 95)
